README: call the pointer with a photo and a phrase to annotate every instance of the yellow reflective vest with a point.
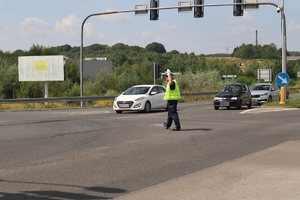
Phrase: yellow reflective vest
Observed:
(172, 94)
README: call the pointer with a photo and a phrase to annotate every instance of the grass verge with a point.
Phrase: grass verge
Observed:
(295, 103)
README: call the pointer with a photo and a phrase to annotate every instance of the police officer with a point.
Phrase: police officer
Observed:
(172, 95)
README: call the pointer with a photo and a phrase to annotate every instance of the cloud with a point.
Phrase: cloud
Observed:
(33, 22)
(148, 36)
(169, 27)
(71, 27)
(292, 26)
(30, 27)
(68, 23)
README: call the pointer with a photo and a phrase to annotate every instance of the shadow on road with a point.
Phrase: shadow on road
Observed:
(196, 129)
(55, 194)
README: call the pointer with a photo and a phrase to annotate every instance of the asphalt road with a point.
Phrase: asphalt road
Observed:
(98, 154)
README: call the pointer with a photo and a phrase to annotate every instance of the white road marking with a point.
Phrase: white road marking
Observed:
(264, 110)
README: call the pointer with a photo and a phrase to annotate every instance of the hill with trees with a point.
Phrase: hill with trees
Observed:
(133, 65)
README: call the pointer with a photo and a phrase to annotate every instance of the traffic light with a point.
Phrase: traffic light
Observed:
(154, 13)
(156, 71)
(238, 10)
(198, 11)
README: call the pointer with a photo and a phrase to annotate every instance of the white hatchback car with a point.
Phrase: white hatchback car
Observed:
(141, 98)
(265, 92)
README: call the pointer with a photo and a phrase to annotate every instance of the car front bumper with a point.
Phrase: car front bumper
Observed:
(128, 105)
(259, 100)
(225, 103)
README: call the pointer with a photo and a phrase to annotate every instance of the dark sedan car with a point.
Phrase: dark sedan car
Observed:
(233, 95)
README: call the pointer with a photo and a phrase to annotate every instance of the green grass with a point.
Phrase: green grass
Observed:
(288, 103)
(55, 105)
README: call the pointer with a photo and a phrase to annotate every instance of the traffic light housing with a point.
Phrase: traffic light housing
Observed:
(156, 71)
(154, 13)
(238, 10)
(198, 11)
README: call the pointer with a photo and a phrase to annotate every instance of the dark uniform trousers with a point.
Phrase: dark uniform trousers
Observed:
(172, 114)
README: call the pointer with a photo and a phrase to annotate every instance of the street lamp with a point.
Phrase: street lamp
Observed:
(81, 51)
(143, 9)
(284, 48)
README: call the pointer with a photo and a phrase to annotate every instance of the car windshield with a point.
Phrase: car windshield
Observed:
(260, 87)
(136, 90)
(231, 88)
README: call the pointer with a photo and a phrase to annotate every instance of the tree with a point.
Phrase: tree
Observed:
(156, 47)
(9, 83)
(102, 82)
(64, 48)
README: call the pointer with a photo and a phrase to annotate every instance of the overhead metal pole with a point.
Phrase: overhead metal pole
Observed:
(284, 49)
(149, 9)
(81, 52)
(283, 29)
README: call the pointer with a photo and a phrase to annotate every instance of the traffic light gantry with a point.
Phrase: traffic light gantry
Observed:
(238, 8)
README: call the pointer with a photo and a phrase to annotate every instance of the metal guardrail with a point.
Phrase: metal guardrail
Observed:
(84, 98)
(91, 98)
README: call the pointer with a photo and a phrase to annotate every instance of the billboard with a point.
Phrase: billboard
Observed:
(41, 68)
(265, 74)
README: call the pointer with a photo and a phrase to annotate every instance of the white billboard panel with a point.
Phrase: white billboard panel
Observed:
(265, 74)
(41, 68)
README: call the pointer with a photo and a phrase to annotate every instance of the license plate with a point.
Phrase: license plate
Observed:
(224, 103)
(254, 100)
(126, 105)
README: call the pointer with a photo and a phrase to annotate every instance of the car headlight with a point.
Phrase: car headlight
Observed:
(217, 98)
(234, 98)
(139, 99)
(264, 94)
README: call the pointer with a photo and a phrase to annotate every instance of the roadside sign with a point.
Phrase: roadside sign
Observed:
(265, 74)
(141, 10)
(182, 7)
(282, 79)
(253, 6)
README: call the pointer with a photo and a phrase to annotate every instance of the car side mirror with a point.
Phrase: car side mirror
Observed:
(152, 93)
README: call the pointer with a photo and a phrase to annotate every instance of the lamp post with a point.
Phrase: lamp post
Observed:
(283, 30)
(143, 9)
(81, 51)
(284, 48)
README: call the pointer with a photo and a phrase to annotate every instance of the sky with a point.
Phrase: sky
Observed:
(24, 23)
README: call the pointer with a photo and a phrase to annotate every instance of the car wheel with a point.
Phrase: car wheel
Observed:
(119, 111)
(239, 106)
(270, 99)
(216, 108)
(147, 107)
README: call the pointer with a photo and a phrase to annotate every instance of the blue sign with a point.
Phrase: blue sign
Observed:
(282, 79)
